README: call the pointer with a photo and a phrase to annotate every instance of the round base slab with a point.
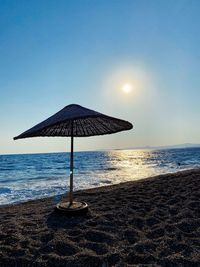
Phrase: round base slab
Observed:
(76, 208)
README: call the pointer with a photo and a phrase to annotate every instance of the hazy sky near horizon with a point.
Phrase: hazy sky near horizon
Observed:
(53, 53)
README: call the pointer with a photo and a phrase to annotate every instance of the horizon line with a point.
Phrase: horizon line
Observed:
(176, 146)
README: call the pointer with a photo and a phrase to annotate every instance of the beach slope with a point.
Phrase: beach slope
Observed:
(155, 221)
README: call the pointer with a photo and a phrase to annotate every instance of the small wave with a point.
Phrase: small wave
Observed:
(5, 190)
(95, 184)
(8, 180)
(106, 182)
(6, 169)
(110, 168)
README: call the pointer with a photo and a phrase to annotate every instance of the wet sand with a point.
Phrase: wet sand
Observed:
(151, 222)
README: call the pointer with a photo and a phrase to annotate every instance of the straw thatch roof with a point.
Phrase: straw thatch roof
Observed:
(79, 121)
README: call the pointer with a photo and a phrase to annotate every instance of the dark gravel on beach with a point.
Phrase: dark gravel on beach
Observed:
(152, 222)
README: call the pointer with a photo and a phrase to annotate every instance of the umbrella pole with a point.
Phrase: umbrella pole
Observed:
(71, 168)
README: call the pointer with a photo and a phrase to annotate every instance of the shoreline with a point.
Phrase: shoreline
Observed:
(104, 187)
(155, 220)
(110, 186)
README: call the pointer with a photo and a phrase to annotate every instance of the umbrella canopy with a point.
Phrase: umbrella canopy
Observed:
(77, 121)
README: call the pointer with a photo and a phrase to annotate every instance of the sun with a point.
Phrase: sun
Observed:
(127, 88)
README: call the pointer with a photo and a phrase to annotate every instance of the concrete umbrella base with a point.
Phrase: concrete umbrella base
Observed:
(76, 208)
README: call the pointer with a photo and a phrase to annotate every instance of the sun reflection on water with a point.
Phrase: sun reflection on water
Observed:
(129, 165)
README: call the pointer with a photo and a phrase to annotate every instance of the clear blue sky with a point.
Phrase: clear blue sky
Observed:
(53, 53)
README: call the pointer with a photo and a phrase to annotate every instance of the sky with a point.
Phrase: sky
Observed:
(54, 53)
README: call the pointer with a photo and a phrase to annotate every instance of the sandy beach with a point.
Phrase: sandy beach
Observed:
(151, 222)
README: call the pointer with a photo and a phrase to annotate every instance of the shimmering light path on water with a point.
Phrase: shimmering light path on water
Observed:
(32, 176)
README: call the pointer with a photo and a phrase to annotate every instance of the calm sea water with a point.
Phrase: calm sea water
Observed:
(31, 176)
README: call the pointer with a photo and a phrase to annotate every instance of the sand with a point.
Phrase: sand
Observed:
(152, 222)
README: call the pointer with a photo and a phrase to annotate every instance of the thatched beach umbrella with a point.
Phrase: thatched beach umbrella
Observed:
(76, 121)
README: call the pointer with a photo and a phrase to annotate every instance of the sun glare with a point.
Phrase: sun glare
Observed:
(127, 88)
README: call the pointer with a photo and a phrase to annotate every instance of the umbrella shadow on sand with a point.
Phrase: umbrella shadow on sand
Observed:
(56, 221)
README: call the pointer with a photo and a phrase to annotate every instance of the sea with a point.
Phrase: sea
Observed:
(31, 176)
